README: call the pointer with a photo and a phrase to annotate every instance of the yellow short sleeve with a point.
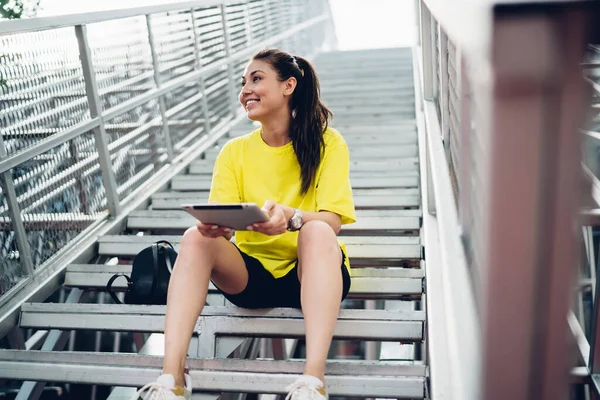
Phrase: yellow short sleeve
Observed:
(333, 189)
(224, 187)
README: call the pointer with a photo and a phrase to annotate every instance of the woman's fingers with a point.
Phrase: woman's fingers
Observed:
(268, 207)
(212, 231)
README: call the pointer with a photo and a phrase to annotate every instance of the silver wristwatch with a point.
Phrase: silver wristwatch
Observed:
(295, 223)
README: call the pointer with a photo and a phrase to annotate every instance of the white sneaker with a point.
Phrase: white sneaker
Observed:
(306, 388)
(164, 389)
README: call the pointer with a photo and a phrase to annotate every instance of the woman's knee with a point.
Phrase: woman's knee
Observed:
(193, 242)
(316, 231)
(318, 236)
(193, 238)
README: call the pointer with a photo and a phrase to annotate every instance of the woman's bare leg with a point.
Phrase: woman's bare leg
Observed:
(198, 259)
(320, 274)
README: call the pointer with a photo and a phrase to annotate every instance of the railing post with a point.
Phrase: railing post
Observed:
(201, 81)
(230, 77)
(443, 90)
(427, 51)
(532, 186)
(14, 213)
(434, 58)
(161, 100)
(247, 22)
(93, 97)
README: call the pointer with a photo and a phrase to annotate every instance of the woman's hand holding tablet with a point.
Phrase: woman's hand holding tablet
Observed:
(213, 231)
(215, 219)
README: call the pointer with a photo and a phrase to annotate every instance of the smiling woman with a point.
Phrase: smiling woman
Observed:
(298, 167)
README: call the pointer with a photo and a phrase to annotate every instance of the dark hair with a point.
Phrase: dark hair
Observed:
(310, 116)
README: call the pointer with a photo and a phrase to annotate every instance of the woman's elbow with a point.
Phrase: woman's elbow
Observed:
(336, 225)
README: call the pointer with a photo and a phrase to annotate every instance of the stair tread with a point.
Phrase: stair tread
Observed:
(367, 379)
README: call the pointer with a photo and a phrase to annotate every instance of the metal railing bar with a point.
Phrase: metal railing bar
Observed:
(14, 211)
(189, 137)
(169, 65)
(595, 183)
(593, 83)
(583, 346)
(158, 81)
(139, 176)
(62, 21)
(201, 81)
(123, 84)
(121, 142)
(94, 103)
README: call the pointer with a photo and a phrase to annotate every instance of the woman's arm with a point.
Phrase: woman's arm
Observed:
(280, 215)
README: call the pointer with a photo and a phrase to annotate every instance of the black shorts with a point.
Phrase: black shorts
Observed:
(266, 291)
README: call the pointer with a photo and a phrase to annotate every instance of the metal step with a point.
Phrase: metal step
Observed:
(362, 251)
(365, 286)
(179, 221)
(363, 199)
(363, 152)
(193, 183)
(361, 138)
(409, 164)
(354, 378)
(373, 325)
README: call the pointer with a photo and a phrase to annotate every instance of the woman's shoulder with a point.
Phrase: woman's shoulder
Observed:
(239, 142)
(333, 137)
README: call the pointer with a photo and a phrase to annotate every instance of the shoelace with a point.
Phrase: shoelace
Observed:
(153, 390)
(311, 391)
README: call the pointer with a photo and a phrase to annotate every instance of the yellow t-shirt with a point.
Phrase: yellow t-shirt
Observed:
(248, 170)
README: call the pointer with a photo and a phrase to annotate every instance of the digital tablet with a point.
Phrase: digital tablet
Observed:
(235, 216)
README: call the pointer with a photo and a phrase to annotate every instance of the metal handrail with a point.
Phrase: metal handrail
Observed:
(68, 20)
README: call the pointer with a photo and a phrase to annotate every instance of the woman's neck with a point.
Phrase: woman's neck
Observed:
(276, 131)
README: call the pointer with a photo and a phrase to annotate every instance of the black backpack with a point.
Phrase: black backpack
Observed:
(150, 275)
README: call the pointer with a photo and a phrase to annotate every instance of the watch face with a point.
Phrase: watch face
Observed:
(296, 221)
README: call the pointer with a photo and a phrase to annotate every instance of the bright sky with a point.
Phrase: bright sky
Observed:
(364, 24)
(359, 24)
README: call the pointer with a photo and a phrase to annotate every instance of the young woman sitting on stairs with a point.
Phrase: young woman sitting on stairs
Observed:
(298, 168)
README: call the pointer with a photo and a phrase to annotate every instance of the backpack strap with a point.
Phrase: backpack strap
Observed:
(110, 283)
(164, 242)
(154, 267)
(167, 258)
(168, 261)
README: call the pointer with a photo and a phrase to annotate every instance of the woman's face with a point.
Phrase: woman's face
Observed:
(262, 93)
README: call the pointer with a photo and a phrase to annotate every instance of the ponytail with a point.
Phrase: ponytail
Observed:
(310, 117)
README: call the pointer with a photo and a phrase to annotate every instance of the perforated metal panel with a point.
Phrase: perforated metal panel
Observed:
(209, 28)
(122, 59)
(258, 19)
(60, 193)
(137, 146)
(454, 108)
(44, 92)
(12, 272)
(175, 43)
(238, 25)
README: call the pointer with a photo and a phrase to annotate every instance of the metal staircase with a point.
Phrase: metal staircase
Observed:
(250, 351)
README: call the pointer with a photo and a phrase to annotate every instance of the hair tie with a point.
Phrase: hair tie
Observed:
(295, 61)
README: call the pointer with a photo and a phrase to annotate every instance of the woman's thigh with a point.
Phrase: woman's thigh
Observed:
(229, 271)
